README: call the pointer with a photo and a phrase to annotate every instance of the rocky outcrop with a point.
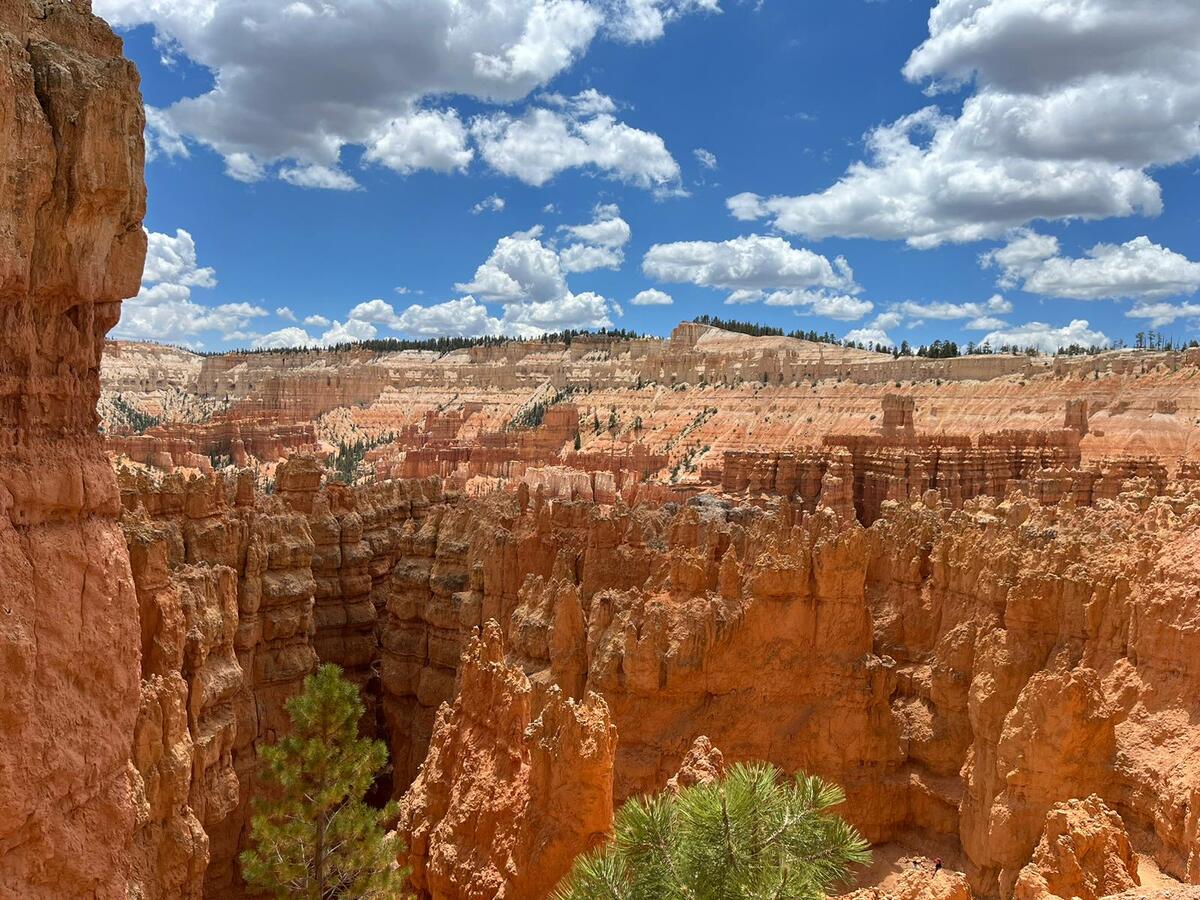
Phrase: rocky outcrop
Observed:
(704, 764)
(240, 593)
(185, 733)
(517, 783)
(921, 884)
(71, 247)
(958, 671)
(1084, 852)
(196, 446)
(233, 572)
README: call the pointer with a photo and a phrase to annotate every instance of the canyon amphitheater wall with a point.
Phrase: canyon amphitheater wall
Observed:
(959, 671)
(960, 666)
(71, 248)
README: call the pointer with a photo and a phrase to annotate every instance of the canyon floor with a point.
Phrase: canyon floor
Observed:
(565, 574)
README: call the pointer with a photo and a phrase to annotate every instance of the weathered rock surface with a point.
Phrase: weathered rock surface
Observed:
(663, 409)
(514, 787)
(240, 593)
(959, 672)
(1084, 852)
(71, 248)
(922, 884)
(704, 764)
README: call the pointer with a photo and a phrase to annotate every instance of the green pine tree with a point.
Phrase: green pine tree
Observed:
(754, 834)
(312, 837)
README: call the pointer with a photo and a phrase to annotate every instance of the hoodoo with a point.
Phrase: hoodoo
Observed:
(593, 588)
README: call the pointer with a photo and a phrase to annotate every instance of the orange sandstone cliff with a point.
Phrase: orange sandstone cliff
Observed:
(71, 247)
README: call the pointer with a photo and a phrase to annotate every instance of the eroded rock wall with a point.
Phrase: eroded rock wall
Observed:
(959, 671)
(71, 248)
(240, 594)
(529, 769)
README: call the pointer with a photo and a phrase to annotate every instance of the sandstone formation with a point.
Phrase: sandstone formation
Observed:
(564, 573)
(514, 787)
(958, 671)
(1084, 852)
(239, 592)
(919, 884)
(704, 764)
(663, 408)
(71, 247)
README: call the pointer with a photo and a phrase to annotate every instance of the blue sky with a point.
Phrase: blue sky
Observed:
(1011, 170)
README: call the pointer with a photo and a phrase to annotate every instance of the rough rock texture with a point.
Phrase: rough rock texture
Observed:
(922, 884)
(71, 247)
(183, 744)
(958, 671)
(704, 764)
(968, 599)
(239, 595)
(1084, 852)
(663, 409)
(515, 785)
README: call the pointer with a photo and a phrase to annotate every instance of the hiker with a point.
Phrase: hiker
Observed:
(937, 865)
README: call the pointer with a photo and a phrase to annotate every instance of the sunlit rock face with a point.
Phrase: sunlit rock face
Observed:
(530, 769)
(971, 598)
(1083, 852)
(71, 248)
(960, 671)
(240, 594)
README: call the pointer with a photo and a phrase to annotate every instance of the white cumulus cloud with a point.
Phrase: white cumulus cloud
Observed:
(1074, 101)
(164, 310)
(421, 139)
(598, 244)
(1160, 314)
(843, 307)
(637, 21)
(754, 263)
(1139, 269)
(652, 297)
(295, 83)
(869, 336)
(494, 203)
(538, 145)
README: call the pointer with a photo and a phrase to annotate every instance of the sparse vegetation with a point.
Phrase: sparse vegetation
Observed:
(350, 455)
(755, 330)
(312, 835)
(134, 420)
(755, 833)
(532, 414)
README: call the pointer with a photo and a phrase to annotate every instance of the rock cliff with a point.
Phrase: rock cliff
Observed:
(532, 775)
(1084, 852)
(959, 671)
(240, 594)
(71, 248)
(966, 590)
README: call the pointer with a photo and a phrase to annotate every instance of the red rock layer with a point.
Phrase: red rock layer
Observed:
(861, 472)
(527, 770)
(240, 593)
(193, 446)
(959, 672)
(1084, 852)
(73, 246)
